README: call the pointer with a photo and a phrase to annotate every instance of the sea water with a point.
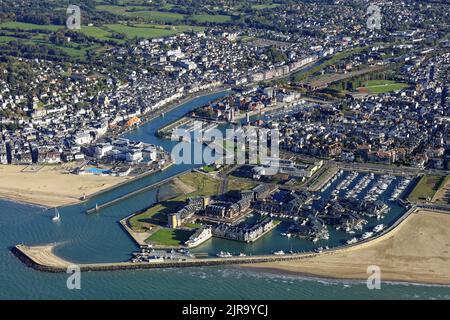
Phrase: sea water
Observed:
(95, 238)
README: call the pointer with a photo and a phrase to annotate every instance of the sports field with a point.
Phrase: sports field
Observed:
(382, 86)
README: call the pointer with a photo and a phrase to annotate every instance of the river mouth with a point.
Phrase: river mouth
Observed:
(100, 238)
(107, 232)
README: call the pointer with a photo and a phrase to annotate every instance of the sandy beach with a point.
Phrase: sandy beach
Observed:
(417, 251)
(50, 186)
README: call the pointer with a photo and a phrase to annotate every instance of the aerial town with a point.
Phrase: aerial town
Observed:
(354, 97)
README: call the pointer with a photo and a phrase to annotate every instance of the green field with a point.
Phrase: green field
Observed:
(265, 6)
(213, 18)
(163, 16)
(6, 39)
(157, 15)
(38, 34)
(28, 26)
(169, 237)
(157, 214)
(382, 86)
(192, 225)
(426, 188)
(141, 12)
(209, 168)
(238, 185)
(308, 75)
(149, 31)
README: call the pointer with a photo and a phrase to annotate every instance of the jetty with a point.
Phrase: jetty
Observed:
(155, 185)
(43, 259)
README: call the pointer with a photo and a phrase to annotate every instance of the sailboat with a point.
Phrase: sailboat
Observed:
(57, 217)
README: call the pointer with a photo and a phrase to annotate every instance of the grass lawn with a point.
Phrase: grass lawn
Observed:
(427, 187)
(157, 214)
(206, 186)
(238, 185)
(383, 86)
(208, 169)
(169, 237)
(193, 225)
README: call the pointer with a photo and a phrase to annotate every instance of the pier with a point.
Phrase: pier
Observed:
(155, 185)
(43, 259)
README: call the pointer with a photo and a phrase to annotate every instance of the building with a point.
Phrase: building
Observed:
(201, 235)
(262, 191)
(174, 220)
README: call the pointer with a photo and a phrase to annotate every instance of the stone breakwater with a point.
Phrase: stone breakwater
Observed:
(22, 252)
(42, 258)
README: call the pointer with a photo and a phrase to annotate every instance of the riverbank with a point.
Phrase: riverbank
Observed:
(51, 185)
(417, 251)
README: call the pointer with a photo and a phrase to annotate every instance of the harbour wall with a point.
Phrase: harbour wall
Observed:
(21, 252)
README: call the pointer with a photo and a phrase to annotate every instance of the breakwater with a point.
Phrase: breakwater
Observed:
(131, 194)
(44, 260)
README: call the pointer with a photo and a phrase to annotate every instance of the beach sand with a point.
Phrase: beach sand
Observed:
(50, 186)
(417, 251)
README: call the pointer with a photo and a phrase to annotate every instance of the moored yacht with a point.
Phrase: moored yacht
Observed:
(378, 228)
(366, 235)
(222, 254)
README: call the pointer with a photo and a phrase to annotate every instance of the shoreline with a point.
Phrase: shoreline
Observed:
(314, 277)
(414, 252)
(61, 200)
(331, 264)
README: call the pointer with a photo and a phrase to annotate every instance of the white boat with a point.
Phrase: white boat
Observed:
(351, 241)
(378, 228)
(366, 235)
(279, 253)
(242, 254)
(57, 217)
(222, 254)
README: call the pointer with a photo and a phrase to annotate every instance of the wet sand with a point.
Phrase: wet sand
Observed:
(417, 251)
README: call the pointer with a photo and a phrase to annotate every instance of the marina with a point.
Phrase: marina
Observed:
(112, 244)
(276, 238)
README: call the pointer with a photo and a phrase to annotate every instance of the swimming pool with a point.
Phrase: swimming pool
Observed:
(98, 171)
